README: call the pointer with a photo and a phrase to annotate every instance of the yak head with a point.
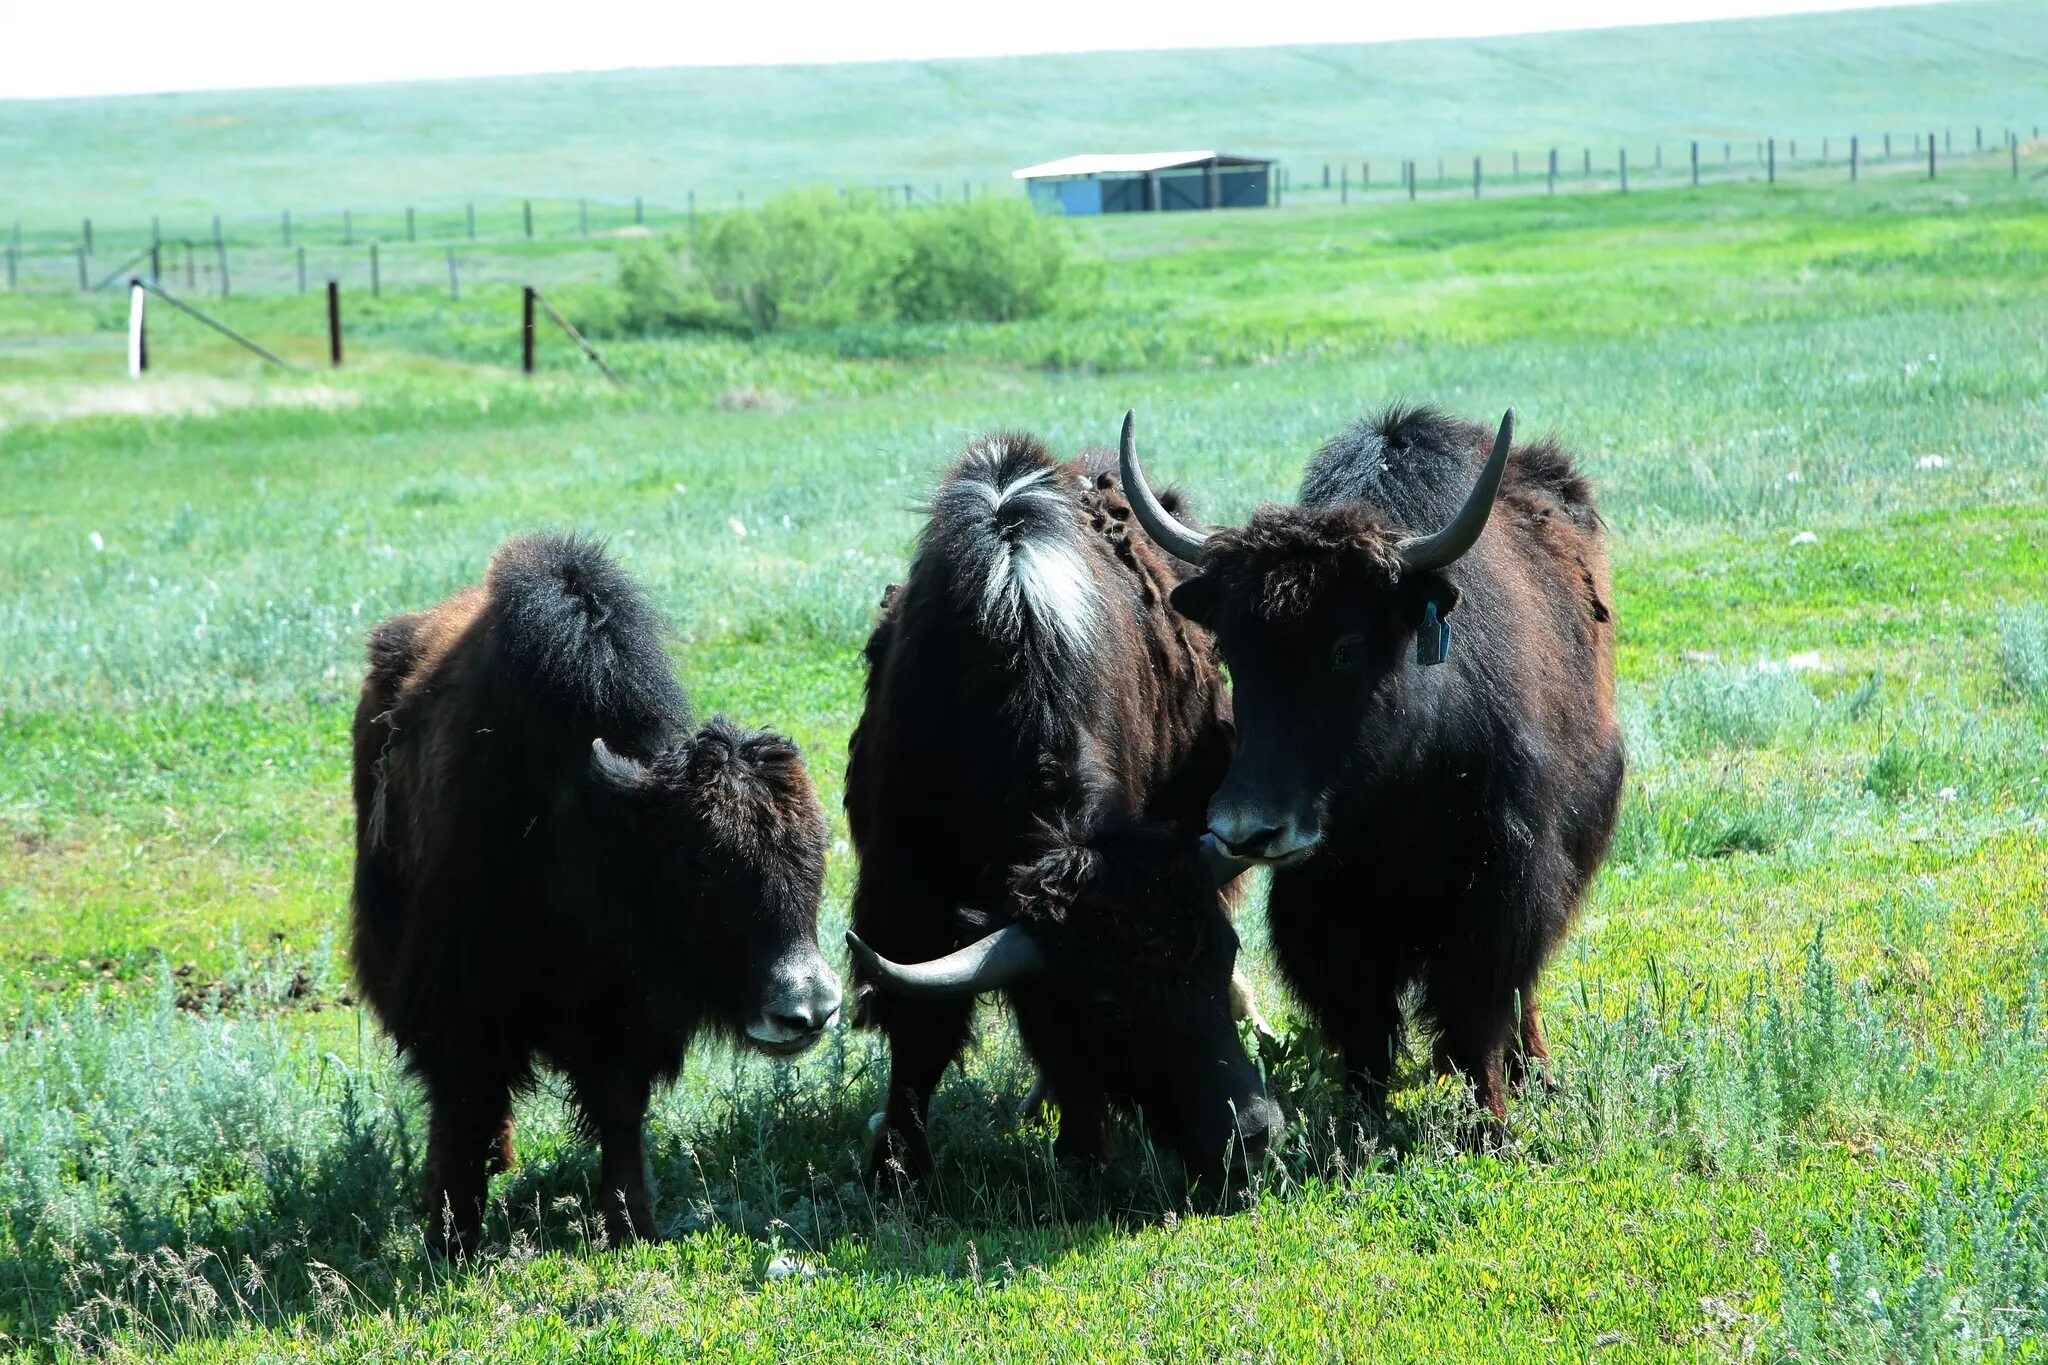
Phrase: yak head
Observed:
(1326, 618)
(725, 837)
(1116, 953)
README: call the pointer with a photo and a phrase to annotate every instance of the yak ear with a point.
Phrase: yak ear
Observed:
(1196, 599)
(1420, 590)
(620, 779)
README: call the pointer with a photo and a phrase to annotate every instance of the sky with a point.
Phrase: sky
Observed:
(49, 48)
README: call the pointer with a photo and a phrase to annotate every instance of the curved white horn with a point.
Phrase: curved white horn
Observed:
(987, 964)
(1160, 524)
(1462, 532)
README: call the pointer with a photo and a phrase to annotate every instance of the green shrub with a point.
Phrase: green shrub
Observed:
(991, 260)
(2023, 650)
(815, 260)
(1713, 706)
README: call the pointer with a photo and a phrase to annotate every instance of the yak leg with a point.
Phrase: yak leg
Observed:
(924, 1037)
(1084, 1130)
(1474, 1026)
(468, 1131)
(1323, 946)
(1528, 1061)
(614, 1105)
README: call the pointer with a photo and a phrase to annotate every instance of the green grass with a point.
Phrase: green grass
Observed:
(1802, 1056)
(724, 131)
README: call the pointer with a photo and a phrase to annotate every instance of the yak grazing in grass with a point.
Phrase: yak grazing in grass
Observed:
(1029, 677)
(553, 866)
(1434, 826)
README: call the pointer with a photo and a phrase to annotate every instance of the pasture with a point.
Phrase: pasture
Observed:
(1799, 1031)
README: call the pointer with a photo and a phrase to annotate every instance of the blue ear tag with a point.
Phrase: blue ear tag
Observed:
(1432, 638)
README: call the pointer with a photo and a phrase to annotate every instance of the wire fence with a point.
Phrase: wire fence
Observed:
(558, 241)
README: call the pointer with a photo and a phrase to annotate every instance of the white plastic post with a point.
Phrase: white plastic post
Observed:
(138, 357)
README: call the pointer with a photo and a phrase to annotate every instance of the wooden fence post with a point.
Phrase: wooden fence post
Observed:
(529, 220)
(138, 339)
(1855, 157)
(216, 230)
(1930, 156)
(1326, 175)
(409, 234)
(334, 323)
(1887, 146)
(526, 330)
(220, 252)
(1343, 183)
(639, 211)
(1623, 162)
(1553, 172)
(13, 270)
(376, 289)
(1695, 163)
(1771, 151)
(302, 272)
(1475, 177)
(1589, 163)
(86, 234)
(1411, 181)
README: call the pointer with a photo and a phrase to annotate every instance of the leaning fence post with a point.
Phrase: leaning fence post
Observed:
(138, 343)
(220, 251)
(83, 284)
(302, 272)
(529, 219)
(1695, 163)
(86, 235)
(526, 329)
(334, 323)
(376, 292)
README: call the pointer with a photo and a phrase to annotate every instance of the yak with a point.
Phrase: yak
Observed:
(1028, 673)
(555, 865)
(1433, 807)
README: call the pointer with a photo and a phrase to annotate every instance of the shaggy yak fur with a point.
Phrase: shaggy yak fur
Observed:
(1429, 826)
(1029, 696)
(523, 894)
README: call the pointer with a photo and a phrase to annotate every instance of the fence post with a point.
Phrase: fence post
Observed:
(1589, 163)
(216, 230)
(1980, 137)
(376, 290)
(1411, 181)
(1695, 163)
(82, 284)
(1887, 146)
(1439, 172)
(302, 272)
(1364, 176)
(639, 211)
(2013, 141)
(191, 269)
(1475, 177)
(138, 341)
(87, 235)
(1623, 163)
(1326, 175)
(334, 323)
(1855, 157)
(454, 283)
(1930, 156)
(1660, 156)
(156, 264)
(1553, 172)
(1771, 151)
(156, 232)
(409, 235)
(529, 219)
(1343, 183)
(220, 252)
(526, 330)
(693, 215)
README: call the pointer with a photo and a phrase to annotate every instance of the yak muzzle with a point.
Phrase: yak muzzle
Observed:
(800, 1001)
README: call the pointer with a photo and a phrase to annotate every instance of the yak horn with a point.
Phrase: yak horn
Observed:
(1160, 524)
(1009, 954)
(1435, 551)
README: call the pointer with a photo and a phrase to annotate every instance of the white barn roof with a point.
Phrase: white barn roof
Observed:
(1123, 163)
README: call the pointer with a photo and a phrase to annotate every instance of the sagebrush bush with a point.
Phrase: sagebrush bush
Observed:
(816, 260)
(2023, 650)
(1715, 706)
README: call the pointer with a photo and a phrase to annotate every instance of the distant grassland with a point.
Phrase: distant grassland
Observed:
(719, 131)
(1800, 1029)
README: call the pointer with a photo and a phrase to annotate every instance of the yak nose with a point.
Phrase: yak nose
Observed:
(802, 1001)
(1245, 832)
(1259, 1123)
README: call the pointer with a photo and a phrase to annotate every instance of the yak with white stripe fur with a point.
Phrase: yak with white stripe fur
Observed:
(553, 865)
(1029, 676)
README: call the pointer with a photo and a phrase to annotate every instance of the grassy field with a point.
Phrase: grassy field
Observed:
(1803, 1057)
(718, 132)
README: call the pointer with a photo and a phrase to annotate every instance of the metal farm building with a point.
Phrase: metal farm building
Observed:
(1149, 182)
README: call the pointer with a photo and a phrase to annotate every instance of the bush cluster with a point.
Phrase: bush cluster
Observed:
(813, 259)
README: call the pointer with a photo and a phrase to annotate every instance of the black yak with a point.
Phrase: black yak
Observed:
(1028, 673)
(553, 865)
(1427, 826)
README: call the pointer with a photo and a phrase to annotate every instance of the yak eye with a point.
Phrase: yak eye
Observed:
(1347, 654)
